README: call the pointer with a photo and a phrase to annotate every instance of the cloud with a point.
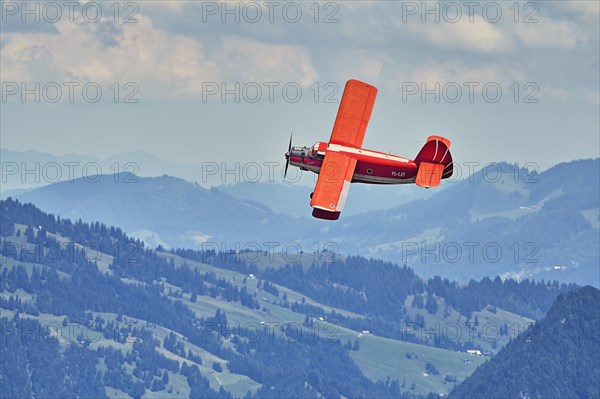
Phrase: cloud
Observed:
(370, 42)
(169, 6)
(161, 63)
(564, 95)
(549, 33)
(360, 64)
(586, 9)
(453, 71)
(478, 35)
(251, 60)
(103, 53)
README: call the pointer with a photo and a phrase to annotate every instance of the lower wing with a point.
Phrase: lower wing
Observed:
(332, 185)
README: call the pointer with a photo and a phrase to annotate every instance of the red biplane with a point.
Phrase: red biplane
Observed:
(342, 161)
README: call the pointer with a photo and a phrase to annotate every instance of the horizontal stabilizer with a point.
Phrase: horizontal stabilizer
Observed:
(429, 174)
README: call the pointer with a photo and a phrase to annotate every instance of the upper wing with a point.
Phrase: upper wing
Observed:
(353, 114)
(332, 185)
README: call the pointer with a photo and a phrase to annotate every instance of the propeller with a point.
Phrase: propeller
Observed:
(287, 156)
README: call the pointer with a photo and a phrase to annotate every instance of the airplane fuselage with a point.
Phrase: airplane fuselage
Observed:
(372, 167)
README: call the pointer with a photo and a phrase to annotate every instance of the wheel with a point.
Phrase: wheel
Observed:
(311, 194)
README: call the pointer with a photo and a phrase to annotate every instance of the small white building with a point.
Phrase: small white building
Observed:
(474, 352)
(365, 332)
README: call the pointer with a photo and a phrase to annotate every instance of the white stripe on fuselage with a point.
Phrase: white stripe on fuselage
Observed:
(360, 151)
(381, 179)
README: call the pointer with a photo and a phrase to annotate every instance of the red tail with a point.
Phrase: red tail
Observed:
(434, 162)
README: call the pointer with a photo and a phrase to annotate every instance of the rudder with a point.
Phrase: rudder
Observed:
(434, 162)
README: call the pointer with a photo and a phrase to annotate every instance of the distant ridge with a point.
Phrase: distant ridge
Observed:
(515, 224)
(180, 213)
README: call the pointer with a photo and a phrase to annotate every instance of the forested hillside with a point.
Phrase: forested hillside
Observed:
(115, 318)
(559, 357)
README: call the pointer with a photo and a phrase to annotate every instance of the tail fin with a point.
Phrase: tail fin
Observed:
(434, 162)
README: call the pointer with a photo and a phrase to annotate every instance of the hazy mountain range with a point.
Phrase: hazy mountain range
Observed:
(23, 171)
(507, 221)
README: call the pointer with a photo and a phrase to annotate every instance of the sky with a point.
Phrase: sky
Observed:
(193, 82)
